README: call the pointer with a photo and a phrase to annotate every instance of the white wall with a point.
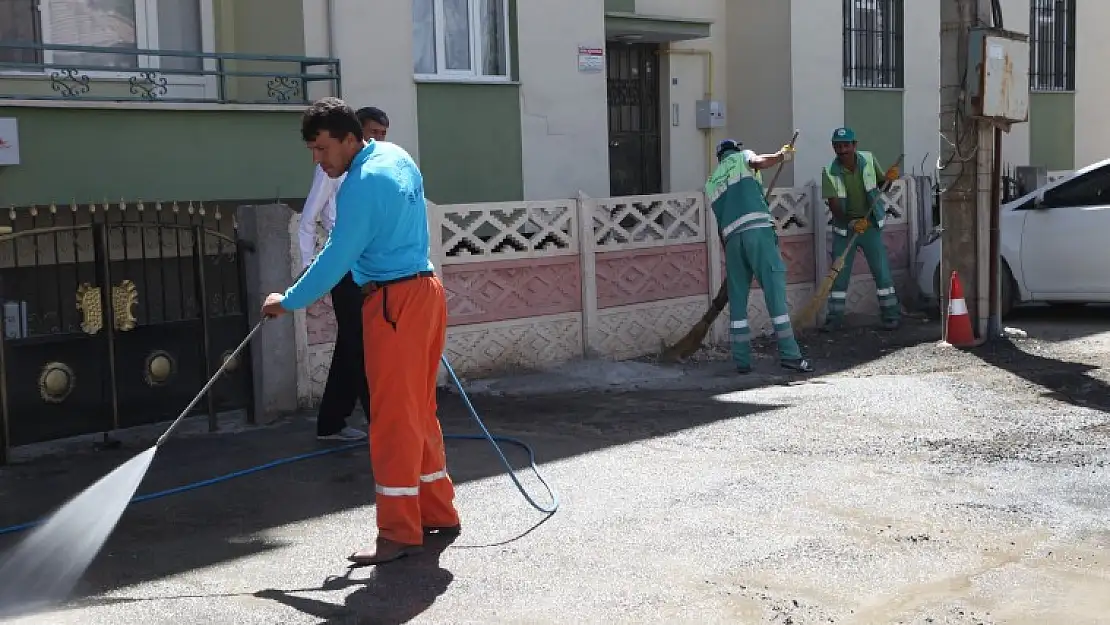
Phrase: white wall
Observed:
(1092, 83)
(921, 98)
(373, 41)
(564, 128)
(818, 98)
(686, 147)
(759, 89)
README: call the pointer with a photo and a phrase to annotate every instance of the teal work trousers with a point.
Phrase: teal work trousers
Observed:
(874, 251)
(755, 253)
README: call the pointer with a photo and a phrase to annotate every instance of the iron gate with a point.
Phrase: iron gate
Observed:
(116, 316)
(635, 144)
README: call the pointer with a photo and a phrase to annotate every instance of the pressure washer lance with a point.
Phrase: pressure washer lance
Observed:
(215, 376)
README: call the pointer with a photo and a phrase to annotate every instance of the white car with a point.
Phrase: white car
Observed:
(1055, 245)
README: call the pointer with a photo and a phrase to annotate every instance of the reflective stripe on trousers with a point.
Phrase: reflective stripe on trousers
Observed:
(740, 331)
(409, 491)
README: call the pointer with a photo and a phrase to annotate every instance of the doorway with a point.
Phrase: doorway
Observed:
(635, 143)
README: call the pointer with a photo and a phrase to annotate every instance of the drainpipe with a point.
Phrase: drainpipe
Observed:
(332, 47)
(708, 132)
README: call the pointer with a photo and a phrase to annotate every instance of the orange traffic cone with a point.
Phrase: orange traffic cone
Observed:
(957, 331)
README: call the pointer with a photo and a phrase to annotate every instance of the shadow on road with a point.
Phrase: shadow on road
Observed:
(1065, 381)
(393, 594)
(1064, 322)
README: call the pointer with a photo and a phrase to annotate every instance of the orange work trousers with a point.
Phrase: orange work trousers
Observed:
(404, 332)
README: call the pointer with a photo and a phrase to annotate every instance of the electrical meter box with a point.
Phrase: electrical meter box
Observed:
(710, 114)
(998, 78)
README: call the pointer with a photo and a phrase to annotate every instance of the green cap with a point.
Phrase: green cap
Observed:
(843, 135)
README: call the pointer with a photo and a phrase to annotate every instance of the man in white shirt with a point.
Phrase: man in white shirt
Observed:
(346, 382)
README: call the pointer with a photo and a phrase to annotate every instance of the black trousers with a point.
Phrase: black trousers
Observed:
(347, 376)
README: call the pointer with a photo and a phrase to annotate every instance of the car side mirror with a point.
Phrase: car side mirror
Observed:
(1038, 203)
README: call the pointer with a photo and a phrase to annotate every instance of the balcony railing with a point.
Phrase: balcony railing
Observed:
(133, 74)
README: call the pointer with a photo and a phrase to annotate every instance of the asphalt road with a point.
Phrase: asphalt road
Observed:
(903, 483)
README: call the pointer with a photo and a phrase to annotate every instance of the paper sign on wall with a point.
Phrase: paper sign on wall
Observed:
(9, 141)
(591, 59)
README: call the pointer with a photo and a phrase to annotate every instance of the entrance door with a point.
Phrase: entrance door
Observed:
(635, 146)
(117, 317)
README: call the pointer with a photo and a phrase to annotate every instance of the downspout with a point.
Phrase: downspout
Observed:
(332, 47)
(708, 132)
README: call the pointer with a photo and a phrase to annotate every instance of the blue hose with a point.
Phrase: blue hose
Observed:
(362, 445)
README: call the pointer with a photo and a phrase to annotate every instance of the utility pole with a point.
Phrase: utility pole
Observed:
(973, 114)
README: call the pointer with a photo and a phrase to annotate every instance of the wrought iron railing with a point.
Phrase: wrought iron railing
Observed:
(874, 44)
(1052, 45)
(135, 74)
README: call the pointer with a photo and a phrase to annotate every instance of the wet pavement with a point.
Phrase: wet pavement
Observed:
(904, 482)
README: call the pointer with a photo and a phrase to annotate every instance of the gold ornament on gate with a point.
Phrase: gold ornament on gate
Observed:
(88, 302)
(159, 367)
(56, 382)
(124, 298)
(232, 363)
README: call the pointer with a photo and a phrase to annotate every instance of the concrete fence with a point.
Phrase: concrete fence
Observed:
(536, 283)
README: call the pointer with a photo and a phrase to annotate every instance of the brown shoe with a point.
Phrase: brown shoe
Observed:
(443, 530)
(385, 550)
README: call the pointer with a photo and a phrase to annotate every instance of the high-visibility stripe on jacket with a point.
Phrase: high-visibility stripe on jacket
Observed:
(735, 193)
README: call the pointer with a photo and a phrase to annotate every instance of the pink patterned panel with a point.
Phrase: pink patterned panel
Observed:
(799, 256)
(896, 240)
(648, 275)
(512, 289)
(320, 322)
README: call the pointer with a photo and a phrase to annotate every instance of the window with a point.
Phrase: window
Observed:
(1052, 45)
(19, 22)
(460, 39)
(1091, 189)
(118, 24)
(873, 43)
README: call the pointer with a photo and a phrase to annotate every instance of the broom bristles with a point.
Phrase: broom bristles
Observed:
(688, 344)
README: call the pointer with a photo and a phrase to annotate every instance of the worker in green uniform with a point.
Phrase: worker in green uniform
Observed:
(850, 185)
(735, 192)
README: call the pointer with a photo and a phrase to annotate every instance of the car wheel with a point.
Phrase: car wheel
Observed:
(1007, 290)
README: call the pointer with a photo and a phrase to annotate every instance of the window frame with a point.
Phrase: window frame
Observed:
(1051, 198)
(146, 35)
(858, 71)
(477, 27)
(1041, 81)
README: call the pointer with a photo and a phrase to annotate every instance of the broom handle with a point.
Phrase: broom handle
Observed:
(722, 293)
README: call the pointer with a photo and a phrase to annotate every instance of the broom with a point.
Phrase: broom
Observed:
(809, 311)
(690, 343)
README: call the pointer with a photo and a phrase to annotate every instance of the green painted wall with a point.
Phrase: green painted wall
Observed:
(1052, 130)
(93, 155)
(622, 6)
(470, 143)
(877, 117)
